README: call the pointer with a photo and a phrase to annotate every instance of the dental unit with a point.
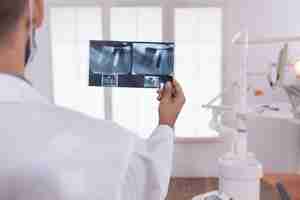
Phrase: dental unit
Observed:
(239, 171)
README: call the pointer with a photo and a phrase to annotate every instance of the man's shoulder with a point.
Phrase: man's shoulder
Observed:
(81, 119)
(73, 116)
(61, 118)
(107, 131)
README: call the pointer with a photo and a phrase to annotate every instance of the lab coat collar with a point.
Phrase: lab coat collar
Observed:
(14, 89)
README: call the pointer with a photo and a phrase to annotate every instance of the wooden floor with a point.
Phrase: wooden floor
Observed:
(187, 188)
(290, 181)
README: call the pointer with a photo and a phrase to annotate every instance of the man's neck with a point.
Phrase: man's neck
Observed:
(11, 61)
(12, 54)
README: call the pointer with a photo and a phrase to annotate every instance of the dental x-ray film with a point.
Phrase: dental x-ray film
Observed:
(131, 64)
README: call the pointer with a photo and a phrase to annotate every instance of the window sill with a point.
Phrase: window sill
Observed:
(197, 140)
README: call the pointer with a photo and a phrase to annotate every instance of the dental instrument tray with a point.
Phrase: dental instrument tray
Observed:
(130, 64)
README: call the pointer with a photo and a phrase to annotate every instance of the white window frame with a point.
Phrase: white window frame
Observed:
(168, 33)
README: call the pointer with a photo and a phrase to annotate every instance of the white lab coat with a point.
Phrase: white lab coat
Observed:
(51, 153)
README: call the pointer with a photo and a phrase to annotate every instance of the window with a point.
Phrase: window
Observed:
(198, 36)
(71, 30)
(136, 109)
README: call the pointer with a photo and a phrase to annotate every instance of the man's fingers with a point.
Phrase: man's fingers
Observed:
(179, 94)
(167, 92)
(177, 87)
(160, 94)
(171, 104)
(171, 91)
(159, 97)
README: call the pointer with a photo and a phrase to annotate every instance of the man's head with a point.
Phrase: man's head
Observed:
(17, 17)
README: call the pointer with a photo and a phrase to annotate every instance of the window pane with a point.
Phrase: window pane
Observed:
(136, 24)
(71, 30)
(136, 109)
(198, 33)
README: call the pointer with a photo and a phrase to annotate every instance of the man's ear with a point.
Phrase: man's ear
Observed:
(38, 13)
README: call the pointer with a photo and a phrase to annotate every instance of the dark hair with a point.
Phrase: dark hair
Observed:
(10, 13)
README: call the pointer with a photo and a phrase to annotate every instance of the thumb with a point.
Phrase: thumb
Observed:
(167, 91)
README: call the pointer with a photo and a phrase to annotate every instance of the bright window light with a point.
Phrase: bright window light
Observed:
(71, 30)
(198, 34)
(136, 109)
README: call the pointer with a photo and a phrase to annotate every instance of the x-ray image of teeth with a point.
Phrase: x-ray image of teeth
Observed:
(108, 59)
(131, 64)
(156, 59)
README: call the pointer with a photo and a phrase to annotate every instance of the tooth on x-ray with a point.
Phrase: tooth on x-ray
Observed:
(116, 55)
(150, 55)
(158, 61)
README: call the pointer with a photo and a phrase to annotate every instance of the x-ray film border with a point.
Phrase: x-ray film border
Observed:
(131, 43)
(116, 75)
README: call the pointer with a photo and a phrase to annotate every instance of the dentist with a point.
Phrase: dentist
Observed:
(51, 153)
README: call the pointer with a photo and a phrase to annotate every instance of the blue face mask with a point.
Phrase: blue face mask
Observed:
(30, 49)
(31, 44)
(27, 52)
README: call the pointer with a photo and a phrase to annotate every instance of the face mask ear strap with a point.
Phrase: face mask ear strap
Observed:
(33, 43)
(32, 33)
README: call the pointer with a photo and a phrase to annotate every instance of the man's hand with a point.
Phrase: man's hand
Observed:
(171, 99)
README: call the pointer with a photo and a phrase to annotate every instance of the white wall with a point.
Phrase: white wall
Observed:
(276, 147)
